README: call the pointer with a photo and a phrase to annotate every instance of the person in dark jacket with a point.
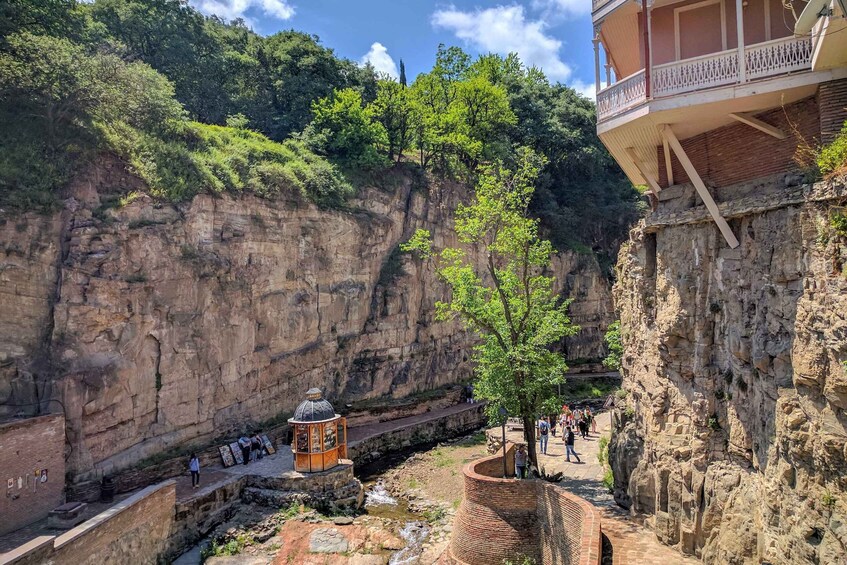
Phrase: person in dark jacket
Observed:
(569, 441)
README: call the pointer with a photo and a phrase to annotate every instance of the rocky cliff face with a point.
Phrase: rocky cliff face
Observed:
(733, 442)
(158, 325)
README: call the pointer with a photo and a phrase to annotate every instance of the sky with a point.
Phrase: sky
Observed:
(554, 35)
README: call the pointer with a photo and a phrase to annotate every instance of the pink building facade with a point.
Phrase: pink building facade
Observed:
(670, 75)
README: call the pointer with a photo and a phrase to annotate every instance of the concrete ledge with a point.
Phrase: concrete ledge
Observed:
(35, 551)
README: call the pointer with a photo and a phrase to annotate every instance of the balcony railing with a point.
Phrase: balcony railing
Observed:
(622, 95)
(761, 60)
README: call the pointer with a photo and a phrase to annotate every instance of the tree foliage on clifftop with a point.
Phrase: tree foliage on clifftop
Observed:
(323, 110)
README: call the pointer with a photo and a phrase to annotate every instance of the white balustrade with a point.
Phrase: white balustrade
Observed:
(624, 94)
(762, 60)
(697, 73)
(786, 55)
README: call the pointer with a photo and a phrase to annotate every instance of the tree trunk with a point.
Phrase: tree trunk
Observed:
(529, 436)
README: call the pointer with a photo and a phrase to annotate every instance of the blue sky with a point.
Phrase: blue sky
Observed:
(552, 34)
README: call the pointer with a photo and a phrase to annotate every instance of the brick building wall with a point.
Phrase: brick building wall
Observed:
(832, 101)
(133, 531)
(507, 519)
(28, 448)
(739, 153)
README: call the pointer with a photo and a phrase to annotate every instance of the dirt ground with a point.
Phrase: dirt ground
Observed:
(436, 475)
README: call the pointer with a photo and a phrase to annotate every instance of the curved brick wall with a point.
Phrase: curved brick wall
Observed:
(503, 519)
(570, 527)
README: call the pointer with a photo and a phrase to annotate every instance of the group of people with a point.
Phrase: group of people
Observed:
(580, 419)
(544, 429)
(252, 449)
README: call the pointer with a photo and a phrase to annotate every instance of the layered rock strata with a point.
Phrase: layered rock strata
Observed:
(733, 436)
(155, 325)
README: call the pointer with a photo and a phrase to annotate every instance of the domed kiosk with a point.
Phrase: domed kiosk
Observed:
(320, 435)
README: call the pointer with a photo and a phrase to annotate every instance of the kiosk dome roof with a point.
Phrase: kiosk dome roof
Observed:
(314, 409)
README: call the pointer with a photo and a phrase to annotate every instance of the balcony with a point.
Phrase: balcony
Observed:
(762, 60)
(597, 4)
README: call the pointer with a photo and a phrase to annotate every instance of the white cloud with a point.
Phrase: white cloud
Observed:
(231, 9)
(505, 29)
(589, 90)
(563, 8)
(380, 59)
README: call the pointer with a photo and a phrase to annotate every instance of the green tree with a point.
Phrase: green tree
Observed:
(507, 300)
(60, 18)
(347, 131)
(615, 345)
(59, 101)
(301, 71)
(402, 74)
(393, 108)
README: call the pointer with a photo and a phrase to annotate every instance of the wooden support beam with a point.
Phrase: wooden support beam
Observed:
(668, 166)
(747, 118)
(670, 137)
(650, 179)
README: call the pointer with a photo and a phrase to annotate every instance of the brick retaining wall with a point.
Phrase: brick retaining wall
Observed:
(133, 531)
(502, 519)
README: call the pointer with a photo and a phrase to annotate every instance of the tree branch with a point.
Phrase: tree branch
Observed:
(503, 299)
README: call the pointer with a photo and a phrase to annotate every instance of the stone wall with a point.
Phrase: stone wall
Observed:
(419, 430)
(132, 531)
(167, 325)
(32, 469)
(507, 519)
(196, 517)
(735, 442)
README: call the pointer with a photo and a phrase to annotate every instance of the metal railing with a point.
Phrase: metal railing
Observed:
(762, 60)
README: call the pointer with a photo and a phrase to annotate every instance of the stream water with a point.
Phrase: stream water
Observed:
(379, 503)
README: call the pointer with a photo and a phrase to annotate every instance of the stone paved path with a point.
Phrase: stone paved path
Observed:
(632, 543)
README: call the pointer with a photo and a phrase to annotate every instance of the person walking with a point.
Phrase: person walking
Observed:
(593, 420)
(194, 467)
(543, 430)
(569, 441)
(520, 462)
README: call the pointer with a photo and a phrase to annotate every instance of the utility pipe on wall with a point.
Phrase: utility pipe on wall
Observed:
(739, 26)
(645, 26)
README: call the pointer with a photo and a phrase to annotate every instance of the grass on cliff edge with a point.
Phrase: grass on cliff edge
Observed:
(832, 159)
(200, 157)
(189, 159)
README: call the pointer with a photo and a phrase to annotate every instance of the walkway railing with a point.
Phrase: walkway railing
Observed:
(762, 60)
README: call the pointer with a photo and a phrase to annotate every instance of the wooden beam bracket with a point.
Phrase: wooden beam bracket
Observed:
(753, 122)
(649, 178)
(699, 185)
